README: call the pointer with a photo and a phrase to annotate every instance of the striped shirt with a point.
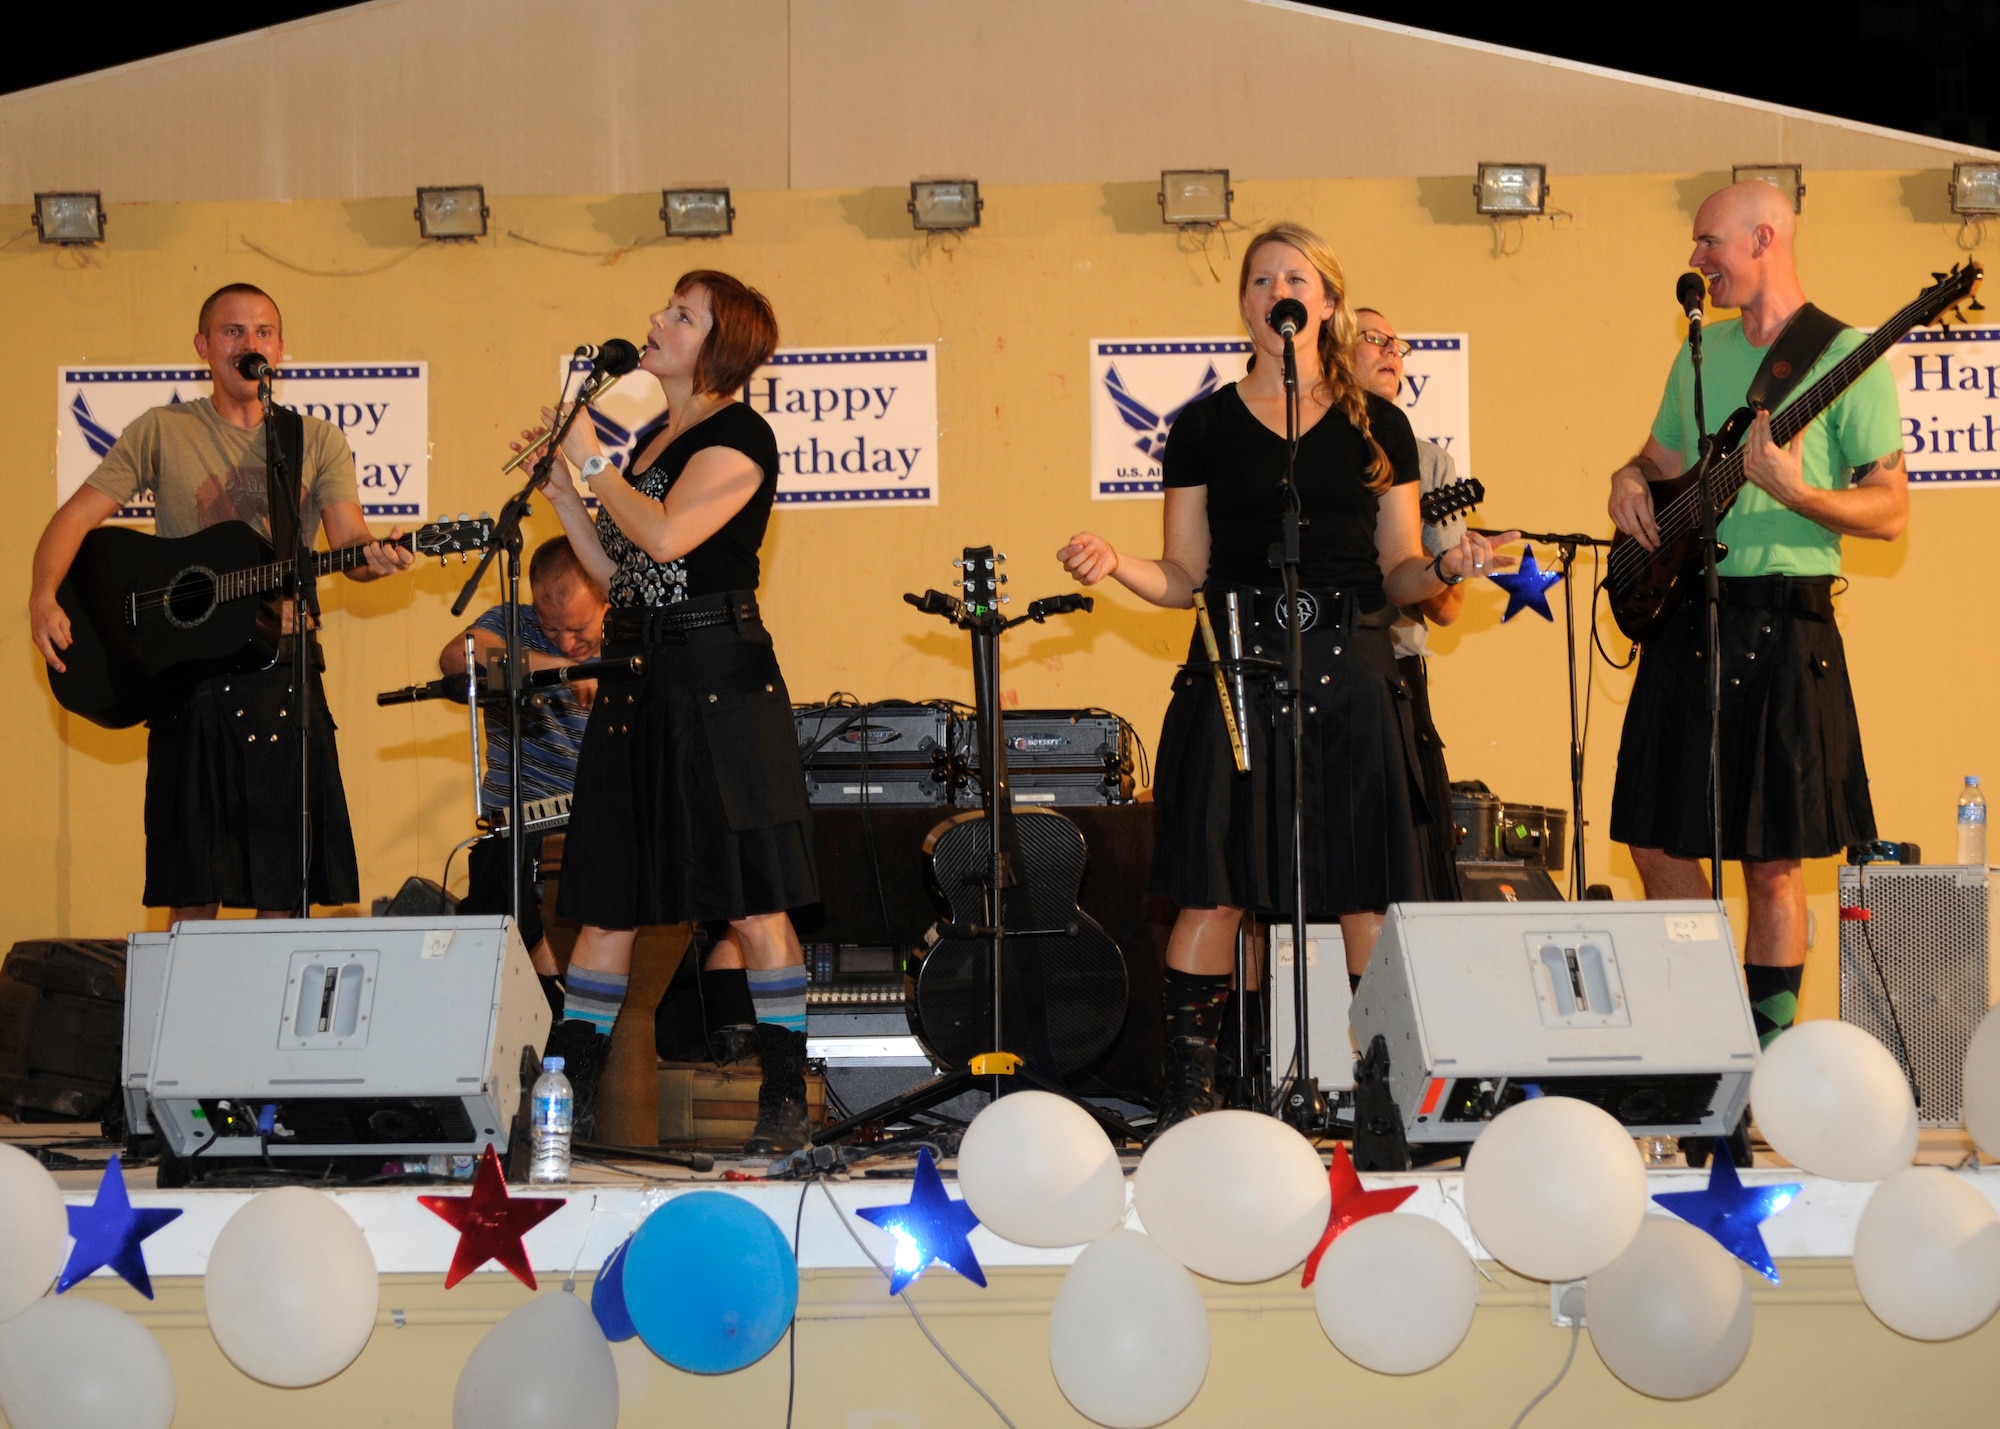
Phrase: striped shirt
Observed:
(551, 733)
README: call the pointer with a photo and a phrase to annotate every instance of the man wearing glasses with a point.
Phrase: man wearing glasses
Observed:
(1378, 366)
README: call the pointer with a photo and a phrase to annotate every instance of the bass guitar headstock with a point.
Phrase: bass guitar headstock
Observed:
(1441, 505)
(443, 536)
(1943, 302)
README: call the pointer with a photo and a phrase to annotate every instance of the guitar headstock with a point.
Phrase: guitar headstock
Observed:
(443, 536)
(1446, 502)
(981, 580)
(1942, 303)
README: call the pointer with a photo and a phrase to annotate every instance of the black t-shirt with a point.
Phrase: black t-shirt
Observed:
(1217, 443)
(725, 561)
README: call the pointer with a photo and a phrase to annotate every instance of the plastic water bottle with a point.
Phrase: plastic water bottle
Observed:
(551, 1114)
(1972, 823)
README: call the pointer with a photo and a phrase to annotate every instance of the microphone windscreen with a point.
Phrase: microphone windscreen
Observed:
(1690, 292)
(1288, 308)
(253, 366)
(617, 357)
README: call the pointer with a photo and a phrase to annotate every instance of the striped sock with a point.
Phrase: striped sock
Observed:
(780, 996)
(593, 997)
(1774, 999)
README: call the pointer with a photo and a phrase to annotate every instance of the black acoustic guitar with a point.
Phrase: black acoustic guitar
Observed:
(148, 614)
(1646, 585)
(1063, 980)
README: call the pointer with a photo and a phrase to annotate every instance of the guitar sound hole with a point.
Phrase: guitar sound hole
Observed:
(191, 596)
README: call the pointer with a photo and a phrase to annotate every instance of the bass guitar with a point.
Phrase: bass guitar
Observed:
(150, 614)
(1646, 585)
(1063, 981)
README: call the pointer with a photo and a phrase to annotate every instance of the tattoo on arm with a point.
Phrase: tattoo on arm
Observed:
(1891, 462)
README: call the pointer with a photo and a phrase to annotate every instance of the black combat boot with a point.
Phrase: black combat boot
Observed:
(782, 1125)
(1194, 1017)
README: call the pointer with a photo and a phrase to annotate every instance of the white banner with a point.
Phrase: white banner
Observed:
(1948, 384)
(382, 408)
(1138, 388)
(856, 426)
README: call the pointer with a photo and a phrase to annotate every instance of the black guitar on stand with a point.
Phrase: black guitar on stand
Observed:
(149, 614)
(1016, 982)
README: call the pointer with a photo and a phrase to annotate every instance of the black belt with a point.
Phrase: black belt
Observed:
(667, 625)
(1810, 595)
(1364, 607)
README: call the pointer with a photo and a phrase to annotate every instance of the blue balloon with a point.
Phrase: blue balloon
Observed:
(710, 1283)
(607, 1297)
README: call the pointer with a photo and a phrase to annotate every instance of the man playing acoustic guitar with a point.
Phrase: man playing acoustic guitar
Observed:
(1793, 783)
(222, 772)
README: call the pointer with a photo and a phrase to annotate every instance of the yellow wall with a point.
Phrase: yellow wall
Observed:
(1571, 332)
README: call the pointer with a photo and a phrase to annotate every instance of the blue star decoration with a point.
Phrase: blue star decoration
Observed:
(108, 1232)
(1527, 588)
(1732, 1212)
(929, 1226)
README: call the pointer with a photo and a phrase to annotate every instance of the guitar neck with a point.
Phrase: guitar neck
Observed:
(276, 575)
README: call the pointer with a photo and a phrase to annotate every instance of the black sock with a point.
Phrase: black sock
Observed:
(1774, 998)
(725, 998)
(1353, 983)
(1194, 1004)
(552, 989)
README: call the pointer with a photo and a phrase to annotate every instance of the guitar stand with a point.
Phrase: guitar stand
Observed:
(997, 1070)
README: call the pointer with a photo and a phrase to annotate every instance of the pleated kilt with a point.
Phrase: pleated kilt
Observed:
(1793, 781)
(1224, 838)
(690, 798)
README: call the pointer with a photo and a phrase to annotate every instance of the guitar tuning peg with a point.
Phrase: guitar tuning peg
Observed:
(1006, 600)
(1977, 306)
(1001, 557)
(486, 516)
(464, 516)
(1003, 580)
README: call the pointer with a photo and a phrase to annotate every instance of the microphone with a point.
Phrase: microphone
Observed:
(255, 367)
(1690, 292)
(614, 358)
(1288, 316)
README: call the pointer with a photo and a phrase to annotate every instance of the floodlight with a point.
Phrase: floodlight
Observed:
(1512, 190)
(452, 212)
(70, 218)
(1195, 198)
(697, 213)
(1787, 179)
(945, 205)
(1975, 189)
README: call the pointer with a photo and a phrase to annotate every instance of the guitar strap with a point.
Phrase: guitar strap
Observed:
(1786, 362)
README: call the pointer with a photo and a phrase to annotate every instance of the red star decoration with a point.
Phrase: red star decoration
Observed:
(491, 1223)
(1350, 1204)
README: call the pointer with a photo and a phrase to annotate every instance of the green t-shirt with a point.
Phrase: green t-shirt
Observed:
(203, 470)
(1862, 426)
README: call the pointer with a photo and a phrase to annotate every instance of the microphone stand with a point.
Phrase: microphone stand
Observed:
(1304, 1108)
(1712, 595)
(283, 482)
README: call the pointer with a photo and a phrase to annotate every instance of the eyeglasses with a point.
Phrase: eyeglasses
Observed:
(1387, 343)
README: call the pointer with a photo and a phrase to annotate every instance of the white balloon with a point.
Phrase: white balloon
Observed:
(1672, 1315)
(1128, 1333)
(1927, 1255)
(1395, 1293)
(1037, 1169)
(1554, 1188)
(291, 1288)
(1233, 1195)
(1981, 1102)
(1831, 1100)
(545, 1366)
(36, 1231)
(72, 1363)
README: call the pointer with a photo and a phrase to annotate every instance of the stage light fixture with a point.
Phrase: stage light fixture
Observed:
(1975, 189)
(1512, 190)
(945, 205)
(453, 212)
(69, 218)
(1195, 198)
(1787, 179)
(697, 213)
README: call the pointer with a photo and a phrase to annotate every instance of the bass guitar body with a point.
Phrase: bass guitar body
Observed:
(1645, 586)
(146, 616)
(1064, 985)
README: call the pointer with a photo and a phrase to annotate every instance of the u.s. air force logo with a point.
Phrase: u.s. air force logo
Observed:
(1138, 390)
(1150, 425)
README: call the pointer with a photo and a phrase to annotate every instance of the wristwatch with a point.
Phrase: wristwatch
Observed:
(592, 466)
(1437, 568)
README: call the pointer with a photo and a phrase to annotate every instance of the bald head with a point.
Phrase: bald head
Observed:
(1750, 205)
(1743, 239)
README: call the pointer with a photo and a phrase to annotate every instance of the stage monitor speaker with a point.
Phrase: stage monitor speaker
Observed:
(1637, 1008)
(1326, 1007)
(1930, 926)
(329, 1037)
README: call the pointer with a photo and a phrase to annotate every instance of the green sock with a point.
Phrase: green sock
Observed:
(1774, 998)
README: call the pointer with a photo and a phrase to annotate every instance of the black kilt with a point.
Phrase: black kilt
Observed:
(690, 797)
(1224, 838)
(1793, 781)
(222, 779)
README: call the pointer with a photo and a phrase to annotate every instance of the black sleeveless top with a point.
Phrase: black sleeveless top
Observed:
(725, 561)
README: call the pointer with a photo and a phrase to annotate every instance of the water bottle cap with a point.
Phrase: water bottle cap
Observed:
(552, 1064)
(1972, 781)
